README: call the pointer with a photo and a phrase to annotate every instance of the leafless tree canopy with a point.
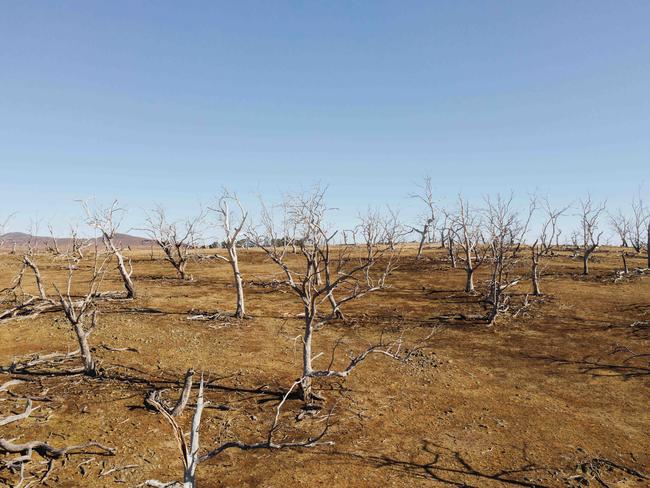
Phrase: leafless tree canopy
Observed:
(82, 313)
(427, 226)
(107, 221)
(176, 239)
(466, 228)
(232, 217)
(590, 215)
(506, 231)
(322, 267)
(191, 452)
(303, 223)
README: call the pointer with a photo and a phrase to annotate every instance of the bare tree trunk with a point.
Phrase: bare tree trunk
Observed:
(336, 311)
(185, 394)
(585, 259)
(192, 454)
(126, 276)
(452, 254)
(239, 284)
(625, 268)
(84, 347)
(305, 383)
(181, 269)
(648, 245)
(421, 244)
(469, 284)
(319, 278)
(37, 275)
(535, 275)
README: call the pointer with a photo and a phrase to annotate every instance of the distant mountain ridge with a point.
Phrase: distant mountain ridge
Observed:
(21, 239)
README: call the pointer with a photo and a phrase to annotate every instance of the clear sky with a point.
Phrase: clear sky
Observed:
(153, 101)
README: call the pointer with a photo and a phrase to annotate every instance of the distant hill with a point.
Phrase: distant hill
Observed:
(21, 239)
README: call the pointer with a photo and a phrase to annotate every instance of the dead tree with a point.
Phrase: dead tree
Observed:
(590, 213)
(640, 226)
(465, 227)
(428, 218)
(54, 246)
(232, 222)
(107, 221)
(394, 230)
(28, 262)
(447, 237)
(191, 453)
(622, 226)
(304, 218)
(543, 245)
(153, 399)
(371, 235)
(506, 231)
(174, 238)
(637, 226)
(626, 269)
(77, 244)
(3, 229)
(82, 313)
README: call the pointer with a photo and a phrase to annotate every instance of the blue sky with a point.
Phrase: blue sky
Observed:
(165, 102)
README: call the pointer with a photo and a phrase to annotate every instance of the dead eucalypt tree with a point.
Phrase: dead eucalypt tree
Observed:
(26, 303)
(81, 312)
(546, 241)
(79, 306)
(378, 237)
(303, 222)
(106, 220)
(505, 231)
(639, 226)
(192, 455)
(590, 233)
(175, 239)
(465, 229)
(427, 227)
(231, 219)
(4, 222)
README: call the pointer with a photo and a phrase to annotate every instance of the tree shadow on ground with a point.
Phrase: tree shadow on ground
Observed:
(632, 366)
(449, 467)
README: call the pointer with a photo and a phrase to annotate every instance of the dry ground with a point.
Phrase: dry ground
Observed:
(533, 401)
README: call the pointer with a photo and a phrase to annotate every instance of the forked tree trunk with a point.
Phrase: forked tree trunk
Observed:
(585, 259)
(121, 267)
(336, 311)
(126, 277)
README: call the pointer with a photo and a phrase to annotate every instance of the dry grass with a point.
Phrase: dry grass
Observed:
(528, 402)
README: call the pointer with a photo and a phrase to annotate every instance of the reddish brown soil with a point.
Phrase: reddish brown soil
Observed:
(523, 403)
